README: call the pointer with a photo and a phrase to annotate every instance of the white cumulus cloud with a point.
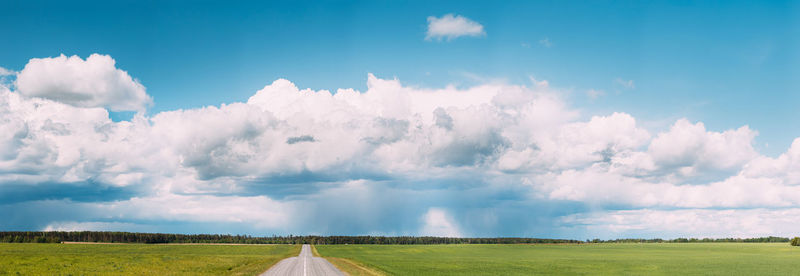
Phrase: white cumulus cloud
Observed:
(690, 148)
(94, 82)
(259, 162)
(452, 26)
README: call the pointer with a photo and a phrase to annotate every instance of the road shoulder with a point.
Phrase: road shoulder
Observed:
(349, 267)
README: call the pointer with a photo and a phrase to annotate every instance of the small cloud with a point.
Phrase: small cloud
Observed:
(6, 72)
(546, 42)
(452, 26)
(299, 139)
(525, 45)
(594, 93)
(540, 84)
(625, 83)
(6, 77)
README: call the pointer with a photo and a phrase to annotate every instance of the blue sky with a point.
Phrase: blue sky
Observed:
(677, 67)
(719, 62)
(723, 63)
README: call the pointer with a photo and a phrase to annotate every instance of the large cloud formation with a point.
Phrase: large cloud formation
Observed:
(490, 160)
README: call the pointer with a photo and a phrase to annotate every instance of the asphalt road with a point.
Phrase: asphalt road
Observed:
(304, 264)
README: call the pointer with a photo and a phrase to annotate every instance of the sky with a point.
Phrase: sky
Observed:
(552, 119)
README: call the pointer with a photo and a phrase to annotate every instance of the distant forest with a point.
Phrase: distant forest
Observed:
(126, 237)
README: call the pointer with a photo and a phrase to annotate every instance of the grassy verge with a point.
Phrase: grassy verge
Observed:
(314, 251)
(353, 268)
(349, 267)
(561, 259)
(140, 259)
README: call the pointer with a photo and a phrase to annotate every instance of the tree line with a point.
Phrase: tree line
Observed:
(692, 240)
(128, 237)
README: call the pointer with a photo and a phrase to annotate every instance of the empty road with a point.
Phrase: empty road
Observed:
(303, 265)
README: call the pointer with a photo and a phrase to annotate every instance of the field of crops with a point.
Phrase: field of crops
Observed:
(139, 259)
(609, 259)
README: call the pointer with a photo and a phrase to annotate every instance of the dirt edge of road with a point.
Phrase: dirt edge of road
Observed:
(349, 267)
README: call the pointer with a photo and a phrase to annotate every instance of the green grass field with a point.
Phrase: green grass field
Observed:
(607, 259)
(139, 259)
